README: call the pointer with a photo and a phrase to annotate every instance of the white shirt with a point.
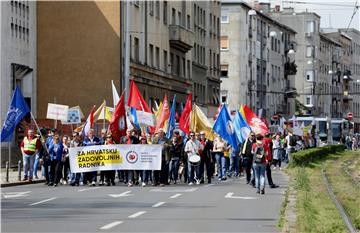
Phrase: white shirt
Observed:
(192, 147)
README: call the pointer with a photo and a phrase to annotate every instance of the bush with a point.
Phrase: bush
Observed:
(305, 156)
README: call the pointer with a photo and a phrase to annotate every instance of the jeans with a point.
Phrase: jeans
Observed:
(205, 162)
(193, 173)
(234, 165)
(221, 164)
(174, 169)
(259, 170)
(146, 176)
(36, 164)
(28, 161)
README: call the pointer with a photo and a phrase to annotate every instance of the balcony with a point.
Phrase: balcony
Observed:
(181, 38)
(290, 68)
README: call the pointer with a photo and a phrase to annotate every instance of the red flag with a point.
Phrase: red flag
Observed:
(184, 123)
(217, 112)
(256, 124)
(117, 125)
(164, 115)
(88, 124)
(136, 100)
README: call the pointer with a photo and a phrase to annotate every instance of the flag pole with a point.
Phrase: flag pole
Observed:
(32, 116)
(104, 116)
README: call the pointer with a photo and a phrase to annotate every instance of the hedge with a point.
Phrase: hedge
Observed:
(303, 157)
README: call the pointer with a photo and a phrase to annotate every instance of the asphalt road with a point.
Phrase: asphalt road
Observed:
(227, 206)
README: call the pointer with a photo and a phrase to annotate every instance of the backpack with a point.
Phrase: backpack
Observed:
(292, 141)
(259, 154)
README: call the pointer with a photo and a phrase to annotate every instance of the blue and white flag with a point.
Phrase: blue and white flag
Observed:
(225, 128)
(242, 129)
(171, 124)
(134, 117)
(17, 110)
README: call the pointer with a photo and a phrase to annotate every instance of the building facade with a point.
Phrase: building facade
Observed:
(18, 65)
(255, 65)
(174, 49)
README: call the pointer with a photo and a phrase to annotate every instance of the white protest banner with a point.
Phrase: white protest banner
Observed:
(145, 118)
(115, 157)
(57, 112)
(73, 117)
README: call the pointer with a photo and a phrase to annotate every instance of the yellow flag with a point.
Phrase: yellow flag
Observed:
(99, 111)
(199, 122)
(108, 113)
(157, 113)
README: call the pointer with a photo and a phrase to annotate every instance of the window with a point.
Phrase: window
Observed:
(224, 97)
(136, 49)
(165, 61)
(165, 12)
(188, 22)
(224, 71)
(157, 58)
(188, 69)
(131, 48)
(224, 18)
(179, 18)
(151, 8)
(310, 51)
(224, 43)
(310, 26)
(151, 54)
(308, 101)
(310, 75)
(183, 65)
(278, 46)
(157, 9)
(173, 16)
(172, 62)
(177, 66)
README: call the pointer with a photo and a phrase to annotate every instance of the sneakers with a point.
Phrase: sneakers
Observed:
(93, 183)
(25, 179)
(262, 191)
(130, 184)
(274, 168)
(101, 183)
(191, 183)
(143, 184)
(81, 183)
(197, 182)
(55, 185)
(64, 182)
(36, 177)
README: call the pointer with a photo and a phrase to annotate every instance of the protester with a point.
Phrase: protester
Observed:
(146, 174)
(65, 159)
(290, 141)
(248, 156)
(161, 177)
(102, 142)
(30, 146)
(91, 140)
(110, 174)
(192, 148)
(175, 156)
(218, 149)
(75, 142)
(269, 145)
(129, 139)
(277, 150)
(260, 153)
(234, 158)
(206, 158)
(56, 153)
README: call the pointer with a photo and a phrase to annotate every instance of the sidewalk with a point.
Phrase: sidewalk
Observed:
(13, 178)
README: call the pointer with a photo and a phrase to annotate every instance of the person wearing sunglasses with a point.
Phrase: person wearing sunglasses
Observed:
(192, 147)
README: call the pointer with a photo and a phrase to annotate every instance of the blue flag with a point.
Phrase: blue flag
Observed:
(242, 129)
(17, 110)
(171, 125)
(225, 128)
(134, 117)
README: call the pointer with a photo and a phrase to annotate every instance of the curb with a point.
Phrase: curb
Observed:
(18, 183)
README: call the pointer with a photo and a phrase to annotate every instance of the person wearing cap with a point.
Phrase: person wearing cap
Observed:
(30, 146)
(247, 156)
(161, 177)
(91, 140)
(206, 157)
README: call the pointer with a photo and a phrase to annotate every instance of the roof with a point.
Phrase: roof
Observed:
(241, 3)
(324, 36)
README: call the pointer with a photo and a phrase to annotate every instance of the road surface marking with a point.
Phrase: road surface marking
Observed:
(46, 200)
(82, 190)
(137, 214)
(208, 185)
(176, 195)
(230, 195)
(158, 204)
(124, 194)
(174, 190)
(110, 225)
(16, 194)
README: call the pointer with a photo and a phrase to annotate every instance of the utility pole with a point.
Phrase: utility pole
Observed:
(127, 51)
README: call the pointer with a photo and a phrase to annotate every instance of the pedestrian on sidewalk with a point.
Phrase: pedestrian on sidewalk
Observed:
(30, 146)
(277, 151)
(260, 153)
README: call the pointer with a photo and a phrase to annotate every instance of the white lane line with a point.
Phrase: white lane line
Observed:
(124, 194)
(174, 190)
(111, 225)
(208, 185)
(158, 204)
(137, 214)
(16, 194)
(87, 189)
(176, 195)
(46, 200)
(230, 195)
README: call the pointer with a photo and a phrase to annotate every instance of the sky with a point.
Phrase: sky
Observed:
(331, 16)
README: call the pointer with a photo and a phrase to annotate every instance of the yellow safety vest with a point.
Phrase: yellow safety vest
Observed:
(30, 145)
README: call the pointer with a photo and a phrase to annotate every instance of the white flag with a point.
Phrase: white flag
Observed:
(116, 97)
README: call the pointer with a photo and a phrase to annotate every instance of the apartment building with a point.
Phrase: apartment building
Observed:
(255, 65)
(175, 50)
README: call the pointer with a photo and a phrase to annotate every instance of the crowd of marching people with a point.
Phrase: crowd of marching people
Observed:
(191, 159)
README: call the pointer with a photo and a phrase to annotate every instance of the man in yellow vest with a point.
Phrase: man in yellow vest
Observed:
(30, 146)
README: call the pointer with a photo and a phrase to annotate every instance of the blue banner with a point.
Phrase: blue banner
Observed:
(242, 129)
(171, 125)
(17, 110)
